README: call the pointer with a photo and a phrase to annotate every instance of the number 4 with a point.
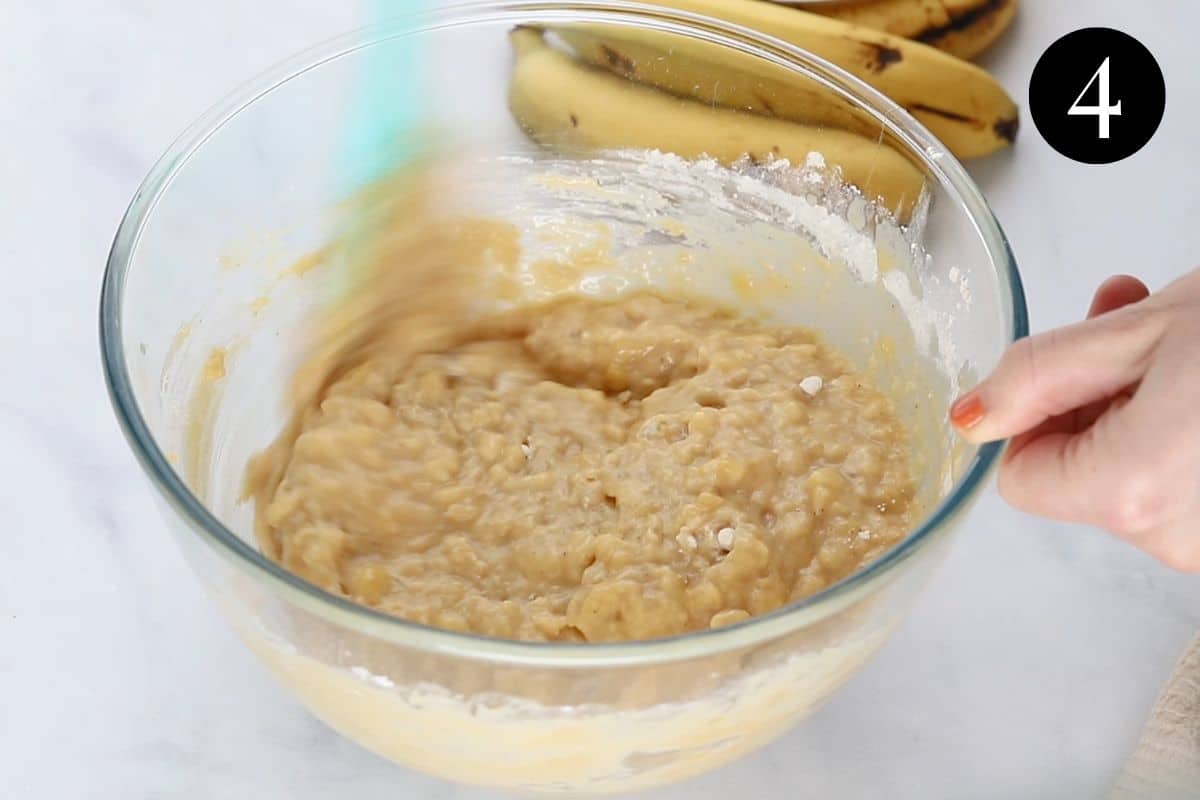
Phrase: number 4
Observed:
(1103, 109)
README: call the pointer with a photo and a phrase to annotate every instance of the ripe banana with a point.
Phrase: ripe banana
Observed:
(560, 101)
(964, 28)
(959, 102)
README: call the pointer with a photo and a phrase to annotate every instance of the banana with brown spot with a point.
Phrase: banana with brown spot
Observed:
(561, 102)
(959, 102)
(964, 28)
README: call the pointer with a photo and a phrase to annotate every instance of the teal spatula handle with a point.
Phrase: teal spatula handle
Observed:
(387, 111)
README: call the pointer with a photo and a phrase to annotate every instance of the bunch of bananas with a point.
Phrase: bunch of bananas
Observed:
(600, 86)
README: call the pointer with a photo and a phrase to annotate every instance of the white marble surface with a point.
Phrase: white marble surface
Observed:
(1026, 671)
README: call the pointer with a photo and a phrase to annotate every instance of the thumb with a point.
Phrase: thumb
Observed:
(1058, 371)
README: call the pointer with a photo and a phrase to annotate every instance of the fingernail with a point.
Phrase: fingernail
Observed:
(967, 411)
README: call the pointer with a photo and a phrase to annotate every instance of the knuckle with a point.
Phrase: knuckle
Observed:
(1133, 318)
(1022, 356)
(1029, 357)
(1140, 324)
(1139, 504)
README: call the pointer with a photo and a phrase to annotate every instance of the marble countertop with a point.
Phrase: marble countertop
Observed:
(1026, 671)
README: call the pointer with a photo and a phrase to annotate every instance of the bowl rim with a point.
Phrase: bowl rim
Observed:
(343, 612)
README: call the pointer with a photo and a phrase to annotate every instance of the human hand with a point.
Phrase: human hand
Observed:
(1104, 417)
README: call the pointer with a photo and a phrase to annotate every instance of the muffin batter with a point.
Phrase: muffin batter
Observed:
(588, 471)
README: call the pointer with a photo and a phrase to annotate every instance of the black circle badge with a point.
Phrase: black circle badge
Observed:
(1097, 95)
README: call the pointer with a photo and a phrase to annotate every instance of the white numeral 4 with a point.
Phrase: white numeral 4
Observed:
(1104, 109)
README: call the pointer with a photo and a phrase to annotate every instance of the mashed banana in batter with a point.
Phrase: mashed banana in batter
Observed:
(578, 470)
(591, 471)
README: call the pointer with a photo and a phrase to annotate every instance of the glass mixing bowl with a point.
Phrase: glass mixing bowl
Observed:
(208, 285)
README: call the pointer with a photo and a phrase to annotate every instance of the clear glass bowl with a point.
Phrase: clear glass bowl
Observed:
(203, 297)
